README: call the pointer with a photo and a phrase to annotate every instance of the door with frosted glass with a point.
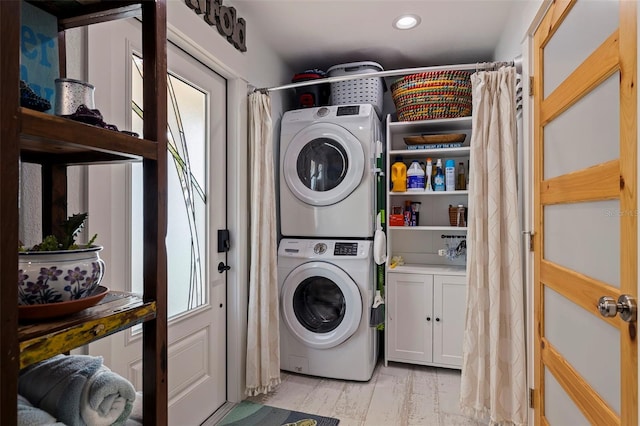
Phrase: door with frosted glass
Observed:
(196, 210)
(585, 208)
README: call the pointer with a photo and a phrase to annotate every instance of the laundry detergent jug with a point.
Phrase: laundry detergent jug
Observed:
(399, 175)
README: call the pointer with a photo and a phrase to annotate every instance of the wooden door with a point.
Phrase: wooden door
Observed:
(585, 209)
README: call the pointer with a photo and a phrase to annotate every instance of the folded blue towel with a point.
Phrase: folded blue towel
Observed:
(78, 390)
(28, 415)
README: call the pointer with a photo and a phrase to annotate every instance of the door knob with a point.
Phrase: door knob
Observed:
(625, 306)
(222, 267)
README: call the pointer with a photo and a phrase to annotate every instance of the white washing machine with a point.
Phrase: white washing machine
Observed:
(327, 177)
(326, 292)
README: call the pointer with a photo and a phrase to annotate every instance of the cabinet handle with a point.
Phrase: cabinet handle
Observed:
(428, 318)
(437, 319)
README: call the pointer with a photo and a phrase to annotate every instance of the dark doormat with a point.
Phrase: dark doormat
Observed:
(251, 414)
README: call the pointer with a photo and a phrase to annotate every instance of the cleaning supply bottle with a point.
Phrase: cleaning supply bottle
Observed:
(415, 177)
(428, 171)
(399, 175)
(438, 183)
(461, 182)
(450, 175)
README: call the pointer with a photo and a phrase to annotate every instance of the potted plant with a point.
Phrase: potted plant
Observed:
(58, 269)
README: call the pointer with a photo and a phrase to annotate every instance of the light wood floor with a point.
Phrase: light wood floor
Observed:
(400, 394)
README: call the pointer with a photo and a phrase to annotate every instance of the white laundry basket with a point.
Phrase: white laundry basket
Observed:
(358, 91)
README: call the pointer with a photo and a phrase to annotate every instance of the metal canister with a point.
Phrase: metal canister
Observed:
(70, 94)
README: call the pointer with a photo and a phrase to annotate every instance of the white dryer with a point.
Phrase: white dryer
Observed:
(327, 178)
(326, 292)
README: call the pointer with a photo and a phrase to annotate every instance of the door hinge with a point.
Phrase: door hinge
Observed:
(531, 236)
(530, 85)
(532, 393)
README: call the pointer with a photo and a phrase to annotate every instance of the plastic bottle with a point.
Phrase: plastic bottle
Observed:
(438, 183)
(429, 170)
(461, 182)
(450, 175)
(399, 175)
(415, 177)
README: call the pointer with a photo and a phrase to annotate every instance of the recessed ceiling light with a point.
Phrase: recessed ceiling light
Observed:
(406, 22)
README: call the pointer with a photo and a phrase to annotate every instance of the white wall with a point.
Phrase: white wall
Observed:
(521, 16)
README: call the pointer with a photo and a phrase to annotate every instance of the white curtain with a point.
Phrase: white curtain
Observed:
(493, 369)
(263, 336)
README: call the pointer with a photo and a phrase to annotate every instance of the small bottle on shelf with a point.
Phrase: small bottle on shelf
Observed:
(428, 172)
(450, 175)
(439, 178)
(461, 182)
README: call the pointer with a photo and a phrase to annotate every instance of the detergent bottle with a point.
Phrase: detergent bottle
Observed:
(415, 177)
(399, 175)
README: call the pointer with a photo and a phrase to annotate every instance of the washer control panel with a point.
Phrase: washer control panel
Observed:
(324, 249)
(345, 249)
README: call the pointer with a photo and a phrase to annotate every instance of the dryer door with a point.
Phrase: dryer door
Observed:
(320, 304)
(323, 164)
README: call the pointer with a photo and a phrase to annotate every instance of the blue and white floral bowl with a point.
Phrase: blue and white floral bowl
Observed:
(58, 276)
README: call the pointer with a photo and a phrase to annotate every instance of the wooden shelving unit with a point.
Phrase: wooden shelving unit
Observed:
(54, 143)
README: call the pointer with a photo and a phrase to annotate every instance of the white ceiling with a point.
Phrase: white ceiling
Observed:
(321, 33)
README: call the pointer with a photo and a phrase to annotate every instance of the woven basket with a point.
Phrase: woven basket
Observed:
(432, 95)
(455, 218)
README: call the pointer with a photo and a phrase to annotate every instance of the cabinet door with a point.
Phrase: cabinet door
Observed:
(449, 296)
(409, 317)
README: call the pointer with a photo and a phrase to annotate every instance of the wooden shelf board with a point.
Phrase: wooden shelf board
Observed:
(117, 311)
(53, 139)
(73, 14)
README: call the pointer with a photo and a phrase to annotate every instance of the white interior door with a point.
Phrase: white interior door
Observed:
(196, 198)
(585, 207)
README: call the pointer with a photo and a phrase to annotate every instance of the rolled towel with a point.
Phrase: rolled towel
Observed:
(78, 390)
(28, 415)
(107, 399)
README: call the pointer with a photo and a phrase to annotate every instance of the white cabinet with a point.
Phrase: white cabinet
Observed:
(425, 297)
(425, 318)
(449, 296)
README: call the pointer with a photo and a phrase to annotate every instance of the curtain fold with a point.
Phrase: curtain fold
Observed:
(494, 370)
(263, 335)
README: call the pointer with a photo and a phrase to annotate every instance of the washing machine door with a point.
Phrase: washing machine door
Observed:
(323, 164)
(320, 304)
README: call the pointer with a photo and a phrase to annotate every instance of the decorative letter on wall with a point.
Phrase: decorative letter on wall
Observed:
(224, 18)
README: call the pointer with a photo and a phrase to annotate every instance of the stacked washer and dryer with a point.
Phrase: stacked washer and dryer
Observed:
(326, 273)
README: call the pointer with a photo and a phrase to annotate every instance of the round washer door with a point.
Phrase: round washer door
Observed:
(323, 164)
(320, 304)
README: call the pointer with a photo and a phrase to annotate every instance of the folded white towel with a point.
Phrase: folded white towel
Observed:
(78, 390)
